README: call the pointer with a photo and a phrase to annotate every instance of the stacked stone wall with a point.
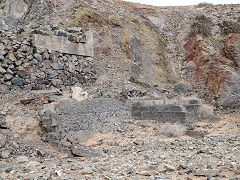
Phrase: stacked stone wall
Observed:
(28, 63)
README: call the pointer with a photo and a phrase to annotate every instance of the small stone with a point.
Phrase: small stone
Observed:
(18, 62)
(20, 68)
(3, 113)
(1, 57)
(3, 140)
(39, 32)
(57, 82)
(59, 173)
(72, 38)
(207, 172)
(5, 153)
(144, 173)
(33, 164)
(181, 173)
(45, 55)
(30, 70)
(26, 101)
(17, 81)
(182, 87)
(38, 57)
(86, 170)
(79, 94)
(9, 71)
(8, 170)
(34, 61)
(146, 157)
(234, 166)
(11, 56)
(53, 98)
(60, 33)
(8, 76)
(2, 47)
(2, 70)
(29, 49)
(138, 142)
(40, 153)
(22, 74)
(169, 167)
(55, 28)
(56, 66)
(9, 83)
(161, 168)
(22, 159)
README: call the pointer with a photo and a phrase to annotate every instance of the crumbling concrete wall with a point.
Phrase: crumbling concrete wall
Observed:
(158, 110)
(176, 111)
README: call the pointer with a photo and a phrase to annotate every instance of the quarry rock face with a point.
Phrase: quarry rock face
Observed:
(151, 51)
(201, 45)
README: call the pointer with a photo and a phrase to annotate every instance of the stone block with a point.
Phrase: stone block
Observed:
(171, 108)
(143, 108)
(136, 114)
(171, 117)
(153, 108)
(194, 101)
(63, 45)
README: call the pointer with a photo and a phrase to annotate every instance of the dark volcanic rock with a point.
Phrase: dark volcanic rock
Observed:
(17, 81)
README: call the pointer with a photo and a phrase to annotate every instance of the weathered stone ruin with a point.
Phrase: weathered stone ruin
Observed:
(158, 110)
(38, 59)
(175, 111)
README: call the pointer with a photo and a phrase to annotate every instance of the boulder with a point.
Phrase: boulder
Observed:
(182, 87)
(82, 151)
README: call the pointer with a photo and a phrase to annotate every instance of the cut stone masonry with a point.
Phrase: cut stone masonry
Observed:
(165, 111)
(65, 44)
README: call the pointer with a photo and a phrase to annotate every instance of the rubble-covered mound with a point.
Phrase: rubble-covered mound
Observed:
(73, 122)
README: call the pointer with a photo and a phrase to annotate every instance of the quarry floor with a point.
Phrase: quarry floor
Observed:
(143, 151)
